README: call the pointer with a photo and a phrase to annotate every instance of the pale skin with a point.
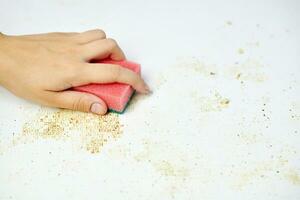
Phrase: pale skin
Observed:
(42, 67)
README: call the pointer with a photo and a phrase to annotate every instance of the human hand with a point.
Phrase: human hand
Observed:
(42, 67)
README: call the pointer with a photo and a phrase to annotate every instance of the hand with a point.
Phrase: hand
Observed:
(42, 67)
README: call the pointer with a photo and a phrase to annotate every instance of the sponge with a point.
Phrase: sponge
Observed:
(115, 95)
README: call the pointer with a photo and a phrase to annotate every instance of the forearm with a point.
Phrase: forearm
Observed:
(1, 58)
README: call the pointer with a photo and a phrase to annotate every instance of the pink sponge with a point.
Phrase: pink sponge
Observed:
(115, 95)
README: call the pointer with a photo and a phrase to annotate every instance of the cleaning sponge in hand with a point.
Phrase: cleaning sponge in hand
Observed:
(115, 95)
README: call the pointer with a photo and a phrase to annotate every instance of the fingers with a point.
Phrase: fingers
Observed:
(91, 35)
(79, 101)
(109, 73)
(100, 49)
(92, 44)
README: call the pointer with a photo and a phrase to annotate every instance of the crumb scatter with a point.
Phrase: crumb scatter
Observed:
(94, 131)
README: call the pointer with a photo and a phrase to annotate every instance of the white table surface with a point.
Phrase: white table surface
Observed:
(248, 150)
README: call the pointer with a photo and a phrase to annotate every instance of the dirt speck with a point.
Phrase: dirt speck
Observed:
(228, 23)
(224, 102)
(238, 75)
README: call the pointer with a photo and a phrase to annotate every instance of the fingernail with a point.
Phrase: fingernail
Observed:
(97, 108)
(147, 89)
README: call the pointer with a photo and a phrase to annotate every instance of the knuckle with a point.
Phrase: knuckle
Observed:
(61, 34)
(73, 72)
(73, 50)
(73, 76)
(100, 33)
(79, 104)
(116, 72)
(111, 42)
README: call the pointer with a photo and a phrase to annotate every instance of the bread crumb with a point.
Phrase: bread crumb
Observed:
(241, 51)
(224, 101)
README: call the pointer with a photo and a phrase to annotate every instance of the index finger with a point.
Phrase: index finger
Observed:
(110, 73)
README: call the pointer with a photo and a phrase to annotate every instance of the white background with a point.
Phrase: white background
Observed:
(264, 164)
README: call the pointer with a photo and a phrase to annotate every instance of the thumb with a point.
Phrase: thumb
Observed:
(79, 101)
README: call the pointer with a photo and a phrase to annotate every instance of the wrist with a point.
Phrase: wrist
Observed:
(2, 58)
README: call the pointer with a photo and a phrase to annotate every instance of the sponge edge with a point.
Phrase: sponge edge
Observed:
(126, 105)
(115, 95)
